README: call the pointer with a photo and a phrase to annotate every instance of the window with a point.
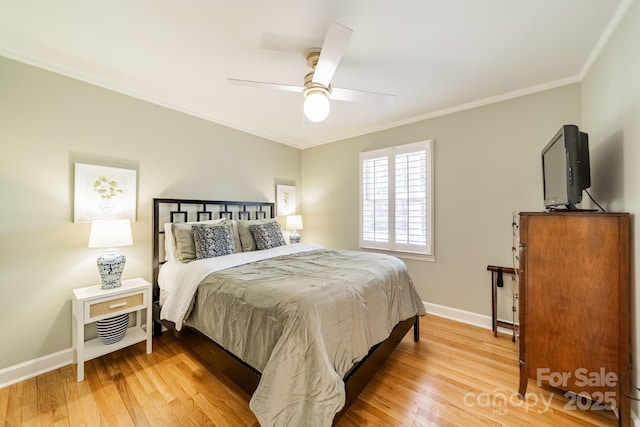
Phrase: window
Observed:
(396, 199)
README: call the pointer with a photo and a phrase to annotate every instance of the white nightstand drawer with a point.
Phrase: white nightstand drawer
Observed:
(111, 307)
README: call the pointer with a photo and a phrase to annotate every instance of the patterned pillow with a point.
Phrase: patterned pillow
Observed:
(244, 232)
(183, 238)
(213, 240)
(267, 235)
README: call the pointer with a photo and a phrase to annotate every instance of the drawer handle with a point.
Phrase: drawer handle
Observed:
(120, 304)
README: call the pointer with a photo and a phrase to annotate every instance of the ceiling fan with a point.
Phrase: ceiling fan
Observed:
(317, 87)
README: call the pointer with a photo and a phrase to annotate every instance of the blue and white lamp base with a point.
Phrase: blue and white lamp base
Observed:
(110, 266)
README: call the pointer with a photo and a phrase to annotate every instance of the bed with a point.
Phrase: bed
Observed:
(300, 328)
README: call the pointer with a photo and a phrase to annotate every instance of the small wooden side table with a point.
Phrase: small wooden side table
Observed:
(497, 279)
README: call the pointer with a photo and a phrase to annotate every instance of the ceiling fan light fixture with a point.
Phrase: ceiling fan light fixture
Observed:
(316, 105)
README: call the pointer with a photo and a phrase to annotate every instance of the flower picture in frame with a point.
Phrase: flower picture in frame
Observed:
(285, 200)
(103, 192)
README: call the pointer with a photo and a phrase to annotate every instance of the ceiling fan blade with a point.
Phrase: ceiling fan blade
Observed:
(288, 44)
(334, 46)
(265, 85)
(352, 95)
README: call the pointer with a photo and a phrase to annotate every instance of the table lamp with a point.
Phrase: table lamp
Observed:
(110, 233)
(294, 223)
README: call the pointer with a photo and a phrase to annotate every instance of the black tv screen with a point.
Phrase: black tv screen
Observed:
(565, 168)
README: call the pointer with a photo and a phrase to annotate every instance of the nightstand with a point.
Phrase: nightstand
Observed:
(92, 303)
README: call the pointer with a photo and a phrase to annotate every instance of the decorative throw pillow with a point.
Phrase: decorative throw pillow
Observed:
(246, 238)
(213, 240)
(183, 238)
(236, 233)
(267, 235)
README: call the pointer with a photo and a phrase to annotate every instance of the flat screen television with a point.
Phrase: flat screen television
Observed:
(565, 168)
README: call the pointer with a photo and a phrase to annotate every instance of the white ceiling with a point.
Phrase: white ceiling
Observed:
(437, 56)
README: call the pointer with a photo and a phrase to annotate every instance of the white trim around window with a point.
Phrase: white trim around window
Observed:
(396, 200)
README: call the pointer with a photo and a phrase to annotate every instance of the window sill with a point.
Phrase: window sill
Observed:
(403, 255)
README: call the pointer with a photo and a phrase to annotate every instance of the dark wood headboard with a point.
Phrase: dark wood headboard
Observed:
(184, 210)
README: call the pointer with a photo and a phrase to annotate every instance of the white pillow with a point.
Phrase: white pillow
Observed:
(169, 243)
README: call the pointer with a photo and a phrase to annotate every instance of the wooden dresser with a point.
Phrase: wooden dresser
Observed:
(574, 305)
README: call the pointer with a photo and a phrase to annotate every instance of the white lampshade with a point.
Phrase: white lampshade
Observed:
(110, 233)
(316, 106)
(294, 222)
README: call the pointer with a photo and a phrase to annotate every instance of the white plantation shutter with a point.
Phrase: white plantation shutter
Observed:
(396, 204)
(375, 201)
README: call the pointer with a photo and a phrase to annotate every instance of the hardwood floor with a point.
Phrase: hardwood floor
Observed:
(457, 375)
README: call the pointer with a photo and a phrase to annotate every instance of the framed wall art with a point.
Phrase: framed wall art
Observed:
(103, 192)
(285, 200)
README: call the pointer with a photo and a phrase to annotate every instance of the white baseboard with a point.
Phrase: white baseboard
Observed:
(463, 316)
(468, 317)
(31, 368)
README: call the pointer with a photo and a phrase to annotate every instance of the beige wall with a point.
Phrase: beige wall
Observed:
(611, 115)
(487, 166)
(47, 122)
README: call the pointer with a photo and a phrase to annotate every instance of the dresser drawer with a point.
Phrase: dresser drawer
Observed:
(111, 307)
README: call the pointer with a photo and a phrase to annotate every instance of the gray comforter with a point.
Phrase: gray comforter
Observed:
(304, 320)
